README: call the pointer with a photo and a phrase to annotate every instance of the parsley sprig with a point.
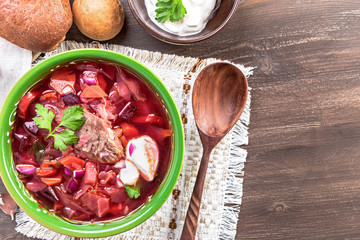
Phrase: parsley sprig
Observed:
(173, 10)
(72, 119)
(133, 191)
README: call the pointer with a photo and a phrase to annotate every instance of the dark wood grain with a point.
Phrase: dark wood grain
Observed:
(302, 176)
(302, 172)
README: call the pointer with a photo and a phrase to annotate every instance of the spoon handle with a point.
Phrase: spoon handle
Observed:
(192, 215)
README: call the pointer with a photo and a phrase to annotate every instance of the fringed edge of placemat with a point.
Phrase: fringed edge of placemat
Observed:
(234, 180)
(148, 58)
(30, 228)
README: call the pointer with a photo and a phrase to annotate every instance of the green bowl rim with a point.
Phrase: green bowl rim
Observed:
(16, 188)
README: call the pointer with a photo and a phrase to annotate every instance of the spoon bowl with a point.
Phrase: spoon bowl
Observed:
(219, 97)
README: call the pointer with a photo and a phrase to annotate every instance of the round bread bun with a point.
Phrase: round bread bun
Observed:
(99, 20)
(37, 25)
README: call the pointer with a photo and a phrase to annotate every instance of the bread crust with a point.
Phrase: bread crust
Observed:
(99, 20)
(37, 25)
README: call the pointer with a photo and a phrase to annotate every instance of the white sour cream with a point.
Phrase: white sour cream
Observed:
(198, 14)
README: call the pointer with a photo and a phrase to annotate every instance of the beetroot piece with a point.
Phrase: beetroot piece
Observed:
(52, 153)
(83, 189)
(94, 104)
(25, 158)
(130, 82)
(119, 196)
(98, 204)
(109, 191)
(31, 127)
(128, 111)
(47, 195)
(134, 89)
(107, 178)
(35, 185)
(68, 202)
(114, 96)
(102, 167)
(109, 72)
(23, 140)
(122, 90)
(70, 99)
(103, 206)
(102, 175)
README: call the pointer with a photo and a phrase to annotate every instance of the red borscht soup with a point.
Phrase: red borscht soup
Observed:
(91, 142)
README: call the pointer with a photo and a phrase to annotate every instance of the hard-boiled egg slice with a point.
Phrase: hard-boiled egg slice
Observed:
(130, 174)
(144, 153)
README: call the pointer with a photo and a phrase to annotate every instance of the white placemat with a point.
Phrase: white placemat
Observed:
(14, 62)
(223, 186)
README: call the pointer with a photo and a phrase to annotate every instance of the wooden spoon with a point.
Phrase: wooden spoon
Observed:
(219, 98)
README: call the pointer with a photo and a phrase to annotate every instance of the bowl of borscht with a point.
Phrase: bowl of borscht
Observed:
(91, 143)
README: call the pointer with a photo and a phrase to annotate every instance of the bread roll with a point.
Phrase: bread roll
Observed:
(37, 25)
(99, 19)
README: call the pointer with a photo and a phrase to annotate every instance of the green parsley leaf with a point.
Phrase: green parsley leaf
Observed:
(46, 117)
(173, 10)
(65, 137)
(133, 191)
(72, 119)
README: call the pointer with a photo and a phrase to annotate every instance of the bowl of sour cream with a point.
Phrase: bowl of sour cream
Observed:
(184, 22)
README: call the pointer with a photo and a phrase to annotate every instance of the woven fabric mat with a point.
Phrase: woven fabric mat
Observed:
(223, 185)
(14, 62)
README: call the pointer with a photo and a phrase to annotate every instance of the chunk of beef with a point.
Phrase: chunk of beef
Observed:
(98, 204)
(98, 141)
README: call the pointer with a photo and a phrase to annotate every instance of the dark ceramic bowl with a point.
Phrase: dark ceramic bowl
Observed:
(220, 19)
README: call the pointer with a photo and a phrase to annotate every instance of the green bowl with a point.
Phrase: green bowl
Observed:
(16, 188)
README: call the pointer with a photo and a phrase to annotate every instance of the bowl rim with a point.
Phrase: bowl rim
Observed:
(17, 190)
(184, 40)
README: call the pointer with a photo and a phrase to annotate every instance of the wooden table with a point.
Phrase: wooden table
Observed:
(302, 176)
